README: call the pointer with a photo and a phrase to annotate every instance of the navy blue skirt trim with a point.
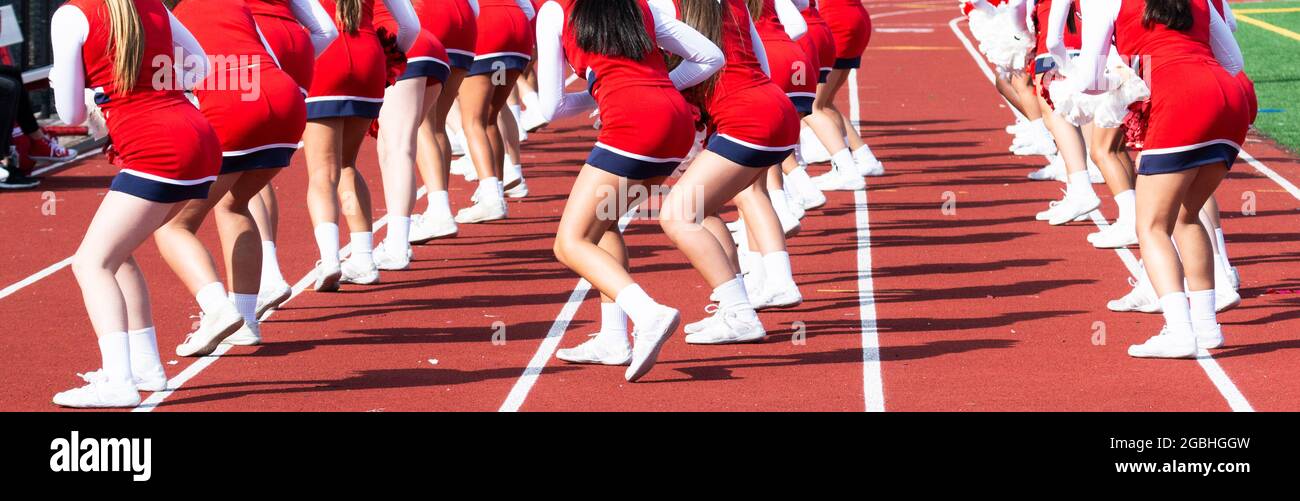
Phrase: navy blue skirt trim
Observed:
(1154, 162)
(266, 158)
(747, 155)
(822, 74)
(159, 191)
(624, 164)
(848, 63)
(803, 104)
(491, 63)
(460, 60)
(333, 108)
(426, 68)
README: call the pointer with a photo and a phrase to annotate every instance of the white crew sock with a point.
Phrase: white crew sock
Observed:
(514, 110)
(327, 240)
(1177, 313)
(531, 100)
(144, 352)
(843, 162)
(1202, 310)
(731, 296)
(246, 305)
(864, 154)
(613, 326)
(1080, 184)
(490, 189)
(1127, 203)
(777, 269)
(362, 245)
(638, 305)
(513, 171)
(211, 297)
(1223, 246)
(755, 270)
(399, 232)
(115, 357)
(271, 273)
(439, 204)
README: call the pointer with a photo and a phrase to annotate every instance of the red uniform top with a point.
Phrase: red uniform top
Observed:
(811, 15)
(1073, 37)
(366, 24)
(99, 68)
(768, 24)
(272, 8)
(230, 39)
(606, 75)
(742, 70)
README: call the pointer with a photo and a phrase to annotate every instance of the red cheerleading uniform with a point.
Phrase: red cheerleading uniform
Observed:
(505, 38)
(647, 128)
(350, 75)
(288, 41)
(453, 23)
(169, 153)
(1183, 70)
(1245, 80)
(1072, 38)
(792, 69)
(427, 58)
(819, 42)
(258, 127)
(753, 122)
(851, 25)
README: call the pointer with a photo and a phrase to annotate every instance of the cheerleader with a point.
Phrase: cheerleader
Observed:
(753, 125)
(850, 26)
(1191, 57)
(1001, 28)
(168, 152)
(646, 130)
(453, 22)
(417, 80)
(502, 51)
(259, 127)
(780, 26)
(346, 93)
(296, 32)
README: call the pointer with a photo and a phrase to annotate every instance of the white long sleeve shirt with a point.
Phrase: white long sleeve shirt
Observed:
(312, 16)
(408, 25)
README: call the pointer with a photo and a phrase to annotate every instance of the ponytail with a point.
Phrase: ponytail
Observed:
(755, 9)
(705, 16)
(126, 44)
(1176, 14)
(348, 15)
(614, 28)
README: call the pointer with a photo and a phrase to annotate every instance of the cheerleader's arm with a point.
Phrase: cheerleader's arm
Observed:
(700, 57)
(1224, 44)
(408, 25)
(312, 16)
(1098, 32)
(788, 13)
(68, 31)
(555, 104)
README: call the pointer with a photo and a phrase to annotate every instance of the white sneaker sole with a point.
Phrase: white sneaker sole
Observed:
(328, 283)
(275, 302)
(636, 371)
(212, 343)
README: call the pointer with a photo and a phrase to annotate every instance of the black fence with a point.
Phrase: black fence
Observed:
(34, 52)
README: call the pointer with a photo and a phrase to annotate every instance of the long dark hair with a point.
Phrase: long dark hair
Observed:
(705, 16)
(1176, 14)
(614, 28)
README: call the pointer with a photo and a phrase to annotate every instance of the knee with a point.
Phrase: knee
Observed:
(563, 248)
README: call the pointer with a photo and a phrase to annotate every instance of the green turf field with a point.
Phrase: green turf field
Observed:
(1273, 62)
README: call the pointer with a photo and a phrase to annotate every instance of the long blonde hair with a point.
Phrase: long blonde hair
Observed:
(348, 14)
(127, 43)
(755, 9)
(705, 16)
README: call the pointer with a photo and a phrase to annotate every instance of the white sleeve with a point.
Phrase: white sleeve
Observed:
(473, 5)
(1018, 10)
(1224, 44)
(408, 26)
(1229, 16)
(665, 7)
(184, 40)
(527, 7)
(68, 31)
(554, 102)
(759, 51)
(788, 13)
(1056, 22)
(700, 57)
(312, 15)
(802, 5)
(1098, 32)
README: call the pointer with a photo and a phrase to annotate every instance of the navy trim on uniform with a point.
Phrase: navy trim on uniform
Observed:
(803, 104)
(1165, 163)
(458, 60)
(157, 191)
(508, 62)
(269, 158)
(848, 63)
(342, 108)
(436, 70)
(1044, 65)
(745, 155)
(822, 75)
(628, 167)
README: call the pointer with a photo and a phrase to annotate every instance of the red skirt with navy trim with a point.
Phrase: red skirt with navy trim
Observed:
(1181, 137)
(851, 27)
(259, 128)
(505, 39)
(645, 132)
(755, 127)
(819, 45)
(452, 23)
(349, 78)
(291, 46)
(168, 154)
(793, 70)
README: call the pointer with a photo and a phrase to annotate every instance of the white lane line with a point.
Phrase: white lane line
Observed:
(175, 383)
(1236, 400)
(524, 385)
(873, 385)
(1277, 178)
(51, 269)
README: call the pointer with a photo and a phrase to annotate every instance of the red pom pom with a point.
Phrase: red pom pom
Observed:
(1135, 125)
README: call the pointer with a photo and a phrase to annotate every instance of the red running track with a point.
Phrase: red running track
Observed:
(983, 309)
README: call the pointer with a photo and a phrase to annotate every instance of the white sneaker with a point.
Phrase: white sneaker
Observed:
(390, 257)
(1115, 236)
(272, 296)
(795, 203)
(1017, 127)
(785, 215)
(247, 335)
(1165, 345)
(327, 276)
(1234, 278)
(518, 190)
(1073, 206)
(810, 196)
(1035, 147)
(1210, 339)
(356, 272)
(531, 120)
(426, 227)
(212, 330)
(156, 380)
(731, 327)
(482, 211)
(593, 351)
(838, 181)
(811, 148)
(777, 296)
(1225, 299)
(648, 339)
(99, 393)
(869, 166)
(1141, 299)
(698, 326)
(464, 166)
(457, 140)
(1053, 171)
